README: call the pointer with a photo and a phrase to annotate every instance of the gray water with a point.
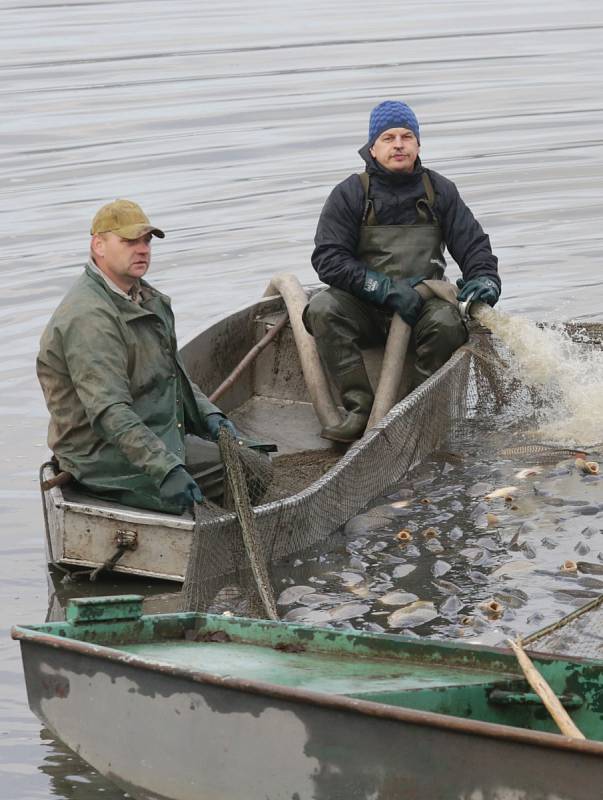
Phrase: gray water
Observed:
(230, 123)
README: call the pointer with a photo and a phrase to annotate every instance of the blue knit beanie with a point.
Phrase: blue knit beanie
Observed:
(392, 114)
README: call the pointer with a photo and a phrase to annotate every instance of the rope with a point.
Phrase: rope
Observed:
(238, 487)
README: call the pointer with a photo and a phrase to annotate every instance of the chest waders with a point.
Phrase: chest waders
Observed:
(342, 324)
(402, 251)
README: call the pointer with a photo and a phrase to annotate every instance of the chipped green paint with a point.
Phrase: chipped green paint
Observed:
(455, 679)
(98, 609)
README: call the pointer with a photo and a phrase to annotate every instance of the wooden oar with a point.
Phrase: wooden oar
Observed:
(547, 695)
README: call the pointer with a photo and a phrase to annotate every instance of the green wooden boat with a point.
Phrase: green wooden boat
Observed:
(187, 706)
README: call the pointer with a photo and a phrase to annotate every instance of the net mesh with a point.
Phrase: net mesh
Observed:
(309, 495)
(301, 499)
(579, 634)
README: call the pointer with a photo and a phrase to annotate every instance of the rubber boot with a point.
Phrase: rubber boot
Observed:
(357, 397)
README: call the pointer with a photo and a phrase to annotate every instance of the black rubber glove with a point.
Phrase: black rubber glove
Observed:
(179, 489)
(216, 421)
(482, 289)
(397, 295)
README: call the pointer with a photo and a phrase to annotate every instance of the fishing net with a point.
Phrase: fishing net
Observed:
(578, 634)
(308, 495)
(298, 500)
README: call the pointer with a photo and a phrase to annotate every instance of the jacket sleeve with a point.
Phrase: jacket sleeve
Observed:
(466, 241)
(337, 235)
(100, 379)
(196, 407)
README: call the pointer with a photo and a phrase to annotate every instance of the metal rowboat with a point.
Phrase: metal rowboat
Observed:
(182, 706)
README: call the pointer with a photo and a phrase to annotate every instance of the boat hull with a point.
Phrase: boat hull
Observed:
(170, 707)
(165, 736)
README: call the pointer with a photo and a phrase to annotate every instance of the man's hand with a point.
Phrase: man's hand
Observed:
(180, 489)
(216, 421)
(396, 295)
(482, 289)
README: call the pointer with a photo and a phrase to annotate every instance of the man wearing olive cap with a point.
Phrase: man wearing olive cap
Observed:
(119, 398)
(379, 234)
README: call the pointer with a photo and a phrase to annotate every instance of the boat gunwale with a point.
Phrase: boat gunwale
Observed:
(309, 697)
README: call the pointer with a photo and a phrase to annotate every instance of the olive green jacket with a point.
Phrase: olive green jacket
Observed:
(119, 398)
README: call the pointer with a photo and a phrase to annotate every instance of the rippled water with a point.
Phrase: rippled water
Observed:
(230, 122)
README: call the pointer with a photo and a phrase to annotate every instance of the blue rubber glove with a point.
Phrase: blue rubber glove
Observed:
(397, 295)
(216, 421)
(482, 289)
(179, 489)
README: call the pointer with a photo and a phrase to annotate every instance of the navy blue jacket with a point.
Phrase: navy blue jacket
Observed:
(394, 197)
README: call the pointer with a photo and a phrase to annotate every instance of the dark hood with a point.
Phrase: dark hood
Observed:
(375, 169)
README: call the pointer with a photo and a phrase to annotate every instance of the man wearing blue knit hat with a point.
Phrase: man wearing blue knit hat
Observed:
(379, 234)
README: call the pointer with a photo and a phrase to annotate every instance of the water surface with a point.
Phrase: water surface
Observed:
(230, 123)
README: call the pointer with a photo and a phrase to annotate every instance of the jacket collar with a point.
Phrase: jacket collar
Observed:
(127, 308)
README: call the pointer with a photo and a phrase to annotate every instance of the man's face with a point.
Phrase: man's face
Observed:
(396, 149)
(122, 260)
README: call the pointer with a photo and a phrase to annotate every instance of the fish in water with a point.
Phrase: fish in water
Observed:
(412, 615)
(402, 570)
(528, 472)
(440, 568)
(451, 606)
(515, 598)
(400, 504)
(503, 492)
(398, 598)
(492, 608)
(593, 569)
(293, 594)
(541, 453)
(587, 467)
(349, 578)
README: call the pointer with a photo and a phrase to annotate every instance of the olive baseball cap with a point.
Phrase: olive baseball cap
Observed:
(125, 218)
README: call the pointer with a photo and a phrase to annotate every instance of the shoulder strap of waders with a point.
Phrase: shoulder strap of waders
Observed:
(425, 205)
(368, 216)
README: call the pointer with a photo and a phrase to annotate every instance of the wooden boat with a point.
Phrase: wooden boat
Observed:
(182, 706)
(271, 402)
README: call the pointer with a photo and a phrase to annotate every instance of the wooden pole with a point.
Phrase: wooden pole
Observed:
(249, 358)
(547, 695)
